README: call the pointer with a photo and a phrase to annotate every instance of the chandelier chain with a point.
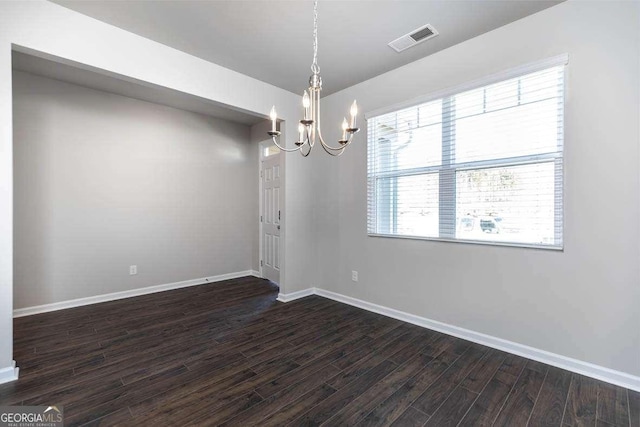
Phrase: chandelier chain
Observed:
(315, 68)
(309, 127)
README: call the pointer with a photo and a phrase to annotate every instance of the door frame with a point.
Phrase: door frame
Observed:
(261, 146)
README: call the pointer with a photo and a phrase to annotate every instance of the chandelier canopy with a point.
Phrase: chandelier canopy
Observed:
(309, 128)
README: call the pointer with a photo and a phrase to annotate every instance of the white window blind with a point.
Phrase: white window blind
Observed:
(483, 165)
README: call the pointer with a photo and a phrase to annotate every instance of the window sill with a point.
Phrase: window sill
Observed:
(473, 242)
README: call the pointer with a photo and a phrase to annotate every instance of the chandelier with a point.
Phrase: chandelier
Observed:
(309, 127)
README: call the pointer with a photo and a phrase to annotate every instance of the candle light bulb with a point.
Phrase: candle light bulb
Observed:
(344, 129)
(354, 112)
(305, 100)
(273, 115)
(301, 131)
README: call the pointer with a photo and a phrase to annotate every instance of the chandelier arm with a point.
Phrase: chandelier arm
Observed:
(324, 144)
(308, 151)
(308, 142)
(334, 154)
(288, 150)
(309, 128)
(310, 136)
(327, 146)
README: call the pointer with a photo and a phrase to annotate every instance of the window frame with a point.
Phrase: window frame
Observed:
(447, 225)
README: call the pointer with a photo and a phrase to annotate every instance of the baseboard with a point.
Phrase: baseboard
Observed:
(578, 366)
(9, 374)
(28, 311)
(296, 295)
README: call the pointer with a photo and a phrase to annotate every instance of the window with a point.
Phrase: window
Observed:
(480, 165)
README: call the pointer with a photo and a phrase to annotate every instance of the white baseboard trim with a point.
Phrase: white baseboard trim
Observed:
(28, 311)
(9, 374)
(296, 295)
(578, 366)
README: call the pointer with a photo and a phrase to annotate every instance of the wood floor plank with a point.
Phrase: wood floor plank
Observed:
(358, 408)
(212, 384)
(121, 417)
(486, 408)
(274, 403)
(391, 408)
(549, 408)
(518, 407)
(303, 371)
(429, 401)
(338, 347)
(582, 402)
(298, 407)
(420, 342)
(229, 354)
(362, 353)
(411, 418)
(484, 371)
(454, 408)
(82, 411)
(68, 395)
(224, 412)
(364, 365)
(334, 403)
(634, 408)
(209, 400)
(613, 405)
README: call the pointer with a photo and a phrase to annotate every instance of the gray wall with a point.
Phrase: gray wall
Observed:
(581, 303)
(104, 181)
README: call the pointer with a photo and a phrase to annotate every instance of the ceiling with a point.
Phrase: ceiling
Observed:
(97, 79)
(272, 40)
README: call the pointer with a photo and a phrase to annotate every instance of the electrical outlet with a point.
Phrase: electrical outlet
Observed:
(133, 270)
(354, 276)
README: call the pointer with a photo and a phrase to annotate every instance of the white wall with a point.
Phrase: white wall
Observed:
(103, 181)
(60, 34)
(582, 303)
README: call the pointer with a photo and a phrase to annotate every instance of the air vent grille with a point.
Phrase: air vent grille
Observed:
(413, 38)
(419, 35)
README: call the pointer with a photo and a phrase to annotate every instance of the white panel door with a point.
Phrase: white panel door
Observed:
(271, 218)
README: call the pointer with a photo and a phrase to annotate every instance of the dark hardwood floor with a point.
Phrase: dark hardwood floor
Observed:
(229, 354)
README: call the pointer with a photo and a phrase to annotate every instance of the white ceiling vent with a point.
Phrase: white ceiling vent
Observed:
(413, 38)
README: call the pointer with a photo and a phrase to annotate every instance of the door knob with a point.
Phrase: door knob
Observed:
(278, 227)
